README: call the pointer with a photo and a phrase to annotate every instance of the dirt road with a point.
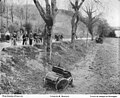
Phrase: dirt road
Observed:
(98, 72)
(107, 68)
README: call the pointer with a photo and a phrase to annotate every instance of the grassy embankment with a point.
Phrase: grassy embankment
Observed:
(22, 70)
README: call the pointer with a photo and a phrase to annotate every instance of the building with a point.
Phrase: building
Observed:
(117, 32)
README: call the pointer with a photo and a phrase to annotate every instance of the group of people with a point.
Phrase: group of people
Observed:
(31, 38)
(58, 37)
(25, 37)
(28, 37)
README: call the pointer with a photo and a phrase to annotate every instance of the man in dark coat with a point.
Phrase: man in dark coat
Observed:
(30, 38)
(25, 36)
(14, 38)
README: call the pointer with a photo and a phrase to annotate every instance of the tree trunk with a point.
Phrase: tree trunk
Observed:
(1, 20)
(92, 36)
(26, 13)
(12, 13)
(91, 32)
(73, 35)
(47, 43)
(48, 48)
(7, 18)
(87, 40)
(74, 23)
(48, 17)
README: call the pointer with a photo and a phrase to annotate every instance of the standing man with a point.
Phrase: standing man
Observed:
(61, 37)
(14, 38)
(25, 38)
(35, 37)
(30, 38)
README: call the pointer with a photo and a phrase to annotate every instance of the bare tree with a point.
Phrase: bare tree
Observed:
(2, 10)
(75, 19)
(2, 7)
(7, 16)
(48, 17)
(26, 12)
(11, 13)
(91, 19)
(21, 15)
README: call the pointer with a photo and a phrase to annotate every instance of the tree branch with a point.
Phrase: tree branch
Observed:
(81, 4)
(82, 19)
(73, 6)
(97, 1)
(94, 21)
(54, 8)
(76, 3)
(40, 9)
(48, 12)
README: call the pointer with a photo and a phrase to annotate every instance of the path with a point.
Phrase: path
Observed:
(99, 72)
(19, 43)
(8, 44)
(107, 68)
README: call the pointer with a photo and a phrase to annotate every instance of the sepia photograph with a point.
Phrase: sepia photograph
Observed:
(69, 47)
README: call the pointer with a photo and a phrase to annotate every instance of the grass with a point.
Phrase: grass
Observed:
(23, 66)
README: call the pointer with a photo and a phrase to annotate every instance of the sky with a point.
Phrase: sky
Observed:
(111, 10)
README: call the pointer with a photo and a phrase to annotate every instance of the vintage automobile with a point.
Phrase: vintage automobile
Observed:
(58, 78)
(99, 40)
